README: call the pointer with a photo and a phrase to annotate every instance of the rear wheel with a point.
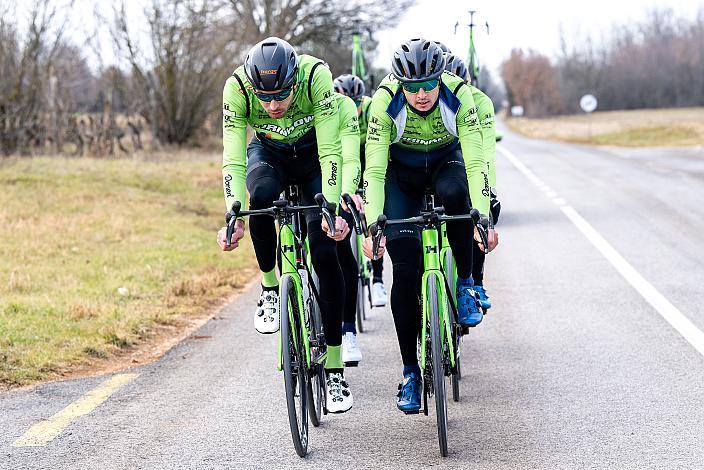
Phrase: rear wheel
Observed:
(438, 368)
(316, 384)
(295, 371)
(361, 305)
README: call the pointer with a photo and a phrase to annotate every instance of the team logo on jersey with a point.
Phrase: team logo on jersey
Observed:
(333, 174)
(268, 72)
(288, 130)
(228, 189)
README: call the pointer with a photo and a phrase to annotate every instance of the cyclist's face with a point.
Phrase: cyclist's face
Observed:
(277, 109)
(423, 101)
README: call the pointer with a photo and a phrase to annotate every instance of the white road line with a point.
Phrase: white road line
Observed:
(45, 431)
(669, 312)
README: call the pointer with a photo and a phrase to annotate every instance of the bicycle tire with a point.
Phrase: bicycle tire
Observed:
(456, 375)
(295, 370)
(316, 383)
(438, 367)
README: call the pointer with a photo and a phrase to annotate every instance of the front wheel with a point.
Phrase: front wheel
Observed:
(438, 368)
(294, 365)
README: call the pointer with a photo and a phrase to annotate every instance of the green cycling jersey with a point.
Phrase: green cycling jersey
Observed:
(349, 136)
(485, 110)
(454, 118)
(313, 107)
(364, 118)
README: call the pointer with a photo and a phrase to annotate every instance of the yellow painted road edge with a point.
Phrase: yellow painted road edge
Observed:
(45, 431)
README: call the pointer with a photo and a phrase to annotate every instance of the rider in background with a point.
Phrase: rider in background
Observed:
(487, 122)
(423, 132)
(353, 86)
(289, 102)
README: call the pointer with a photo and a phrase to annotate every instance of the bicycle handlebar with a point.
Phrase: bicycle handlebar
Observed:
(280, 207)
(431, 218)
(360, 222)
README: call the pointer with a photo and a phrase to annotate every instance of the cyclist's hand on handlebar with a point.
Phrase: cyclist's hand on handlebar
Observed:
(341, 228)
(237, 235)
(358, 202)
(368, 247)
(492, 238)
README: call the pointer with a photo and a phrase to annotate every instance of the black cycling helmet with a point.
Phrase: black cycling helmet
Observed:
(349, 85)
(271, 65)
(455, 65)
(443, 47)
(418, 60)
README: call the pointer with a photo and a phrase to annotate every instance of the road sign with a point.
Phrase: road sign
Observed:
(588, 103)
(516, 110)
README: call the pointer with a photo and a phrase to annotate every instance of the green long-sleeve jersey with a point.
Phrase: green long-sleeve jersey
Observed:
(349, 136)
(313, 106)
(455, 117)
(485, 110)
(364, 118)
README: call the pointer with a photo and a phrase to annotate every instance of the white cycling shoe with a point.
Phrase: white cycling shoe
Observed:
(266, 317)
(351, 355)
(379, 296)
(339, 398)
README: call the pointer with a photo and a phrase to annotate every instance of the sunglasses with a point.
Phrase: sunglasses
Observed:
(427, 85)
(280, 96)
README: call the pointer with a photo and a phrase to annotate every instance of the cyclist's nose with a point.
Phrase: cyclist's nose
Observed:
(422, 94)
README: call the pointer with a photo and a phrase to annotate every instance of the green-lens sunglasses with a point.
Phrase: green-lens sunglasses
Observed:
(280, 96)
(414, 87)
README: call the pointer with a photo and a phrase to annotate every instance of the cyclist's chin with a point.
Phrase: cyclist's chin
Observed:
(276, 114)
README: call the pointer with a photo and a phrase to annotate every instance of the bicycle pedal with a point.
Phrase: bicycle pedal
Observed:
(465, 330)
(351, 364)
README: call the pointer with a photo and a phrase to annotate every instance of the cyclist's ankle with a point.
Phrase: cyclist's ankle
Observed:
(349, 327)
(411, 369)
(269, 279)
(334, 358)
(377, 280)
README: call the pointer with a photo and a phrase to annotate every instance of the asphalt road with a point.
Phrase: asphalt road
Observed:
(572, 368)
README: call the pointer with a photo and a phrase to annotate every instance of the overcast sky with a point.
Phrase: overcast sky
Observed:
(517, 23)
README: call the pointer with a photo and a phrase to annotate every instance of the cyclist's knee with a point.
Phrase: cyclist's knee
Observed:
(263, 193)
(454, 195)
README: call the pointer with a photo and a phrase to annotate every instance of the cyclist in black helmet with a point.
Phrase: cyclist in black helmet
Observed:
(289, 102)
(423, 131)
(487, 122)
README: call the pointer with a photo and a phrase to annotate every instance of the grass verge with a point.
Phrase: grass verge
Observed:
(97, 255)
(637, 128)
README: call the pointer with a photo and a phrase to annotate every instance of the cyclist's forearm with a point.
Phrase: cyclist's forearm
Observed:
(377, 158)
(351, 167)
(475, 167)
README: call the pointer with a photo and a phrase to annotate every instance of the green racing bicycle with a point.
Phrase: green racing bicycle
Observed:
(440, 329)
(301, 346)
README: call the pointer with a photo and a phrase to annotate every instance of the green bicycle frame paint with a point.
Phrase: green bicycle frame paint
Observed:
(288, 269)
(451, 277)
(358, 57)
(431, 264)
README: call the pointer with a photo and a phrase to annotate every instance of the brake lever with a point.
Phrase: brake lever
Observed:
(377, 231)
(230, 219)
(326, 208)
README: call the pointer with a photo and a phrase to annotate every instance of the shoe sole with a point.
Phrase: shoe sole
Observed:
(411, 412)
(266, 332)
(352, 363)
(339, 411)
(379, 304)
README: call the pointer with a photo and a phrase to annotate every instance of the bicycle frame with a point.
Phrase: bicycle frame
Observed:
(432, 265)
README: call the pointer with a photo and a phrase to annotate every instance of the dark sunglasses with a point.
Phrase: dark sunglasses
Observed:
(280, 96)
(427, 85)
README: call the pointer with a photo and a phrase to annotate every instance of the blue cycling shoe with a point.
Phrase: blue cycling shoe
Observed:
(483, 298)
(468, 303)
(408, 395)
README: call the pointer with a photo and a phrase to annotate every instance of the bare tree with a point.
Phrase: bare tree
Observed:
(27, 67)
(531, 81)
(179, 81)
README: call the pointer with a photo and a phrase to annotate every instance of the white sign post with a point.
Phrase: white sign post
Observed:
(588, 104)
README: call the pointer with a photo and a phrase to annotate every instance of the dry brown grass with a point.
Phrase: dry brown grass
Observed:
(649, 127)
